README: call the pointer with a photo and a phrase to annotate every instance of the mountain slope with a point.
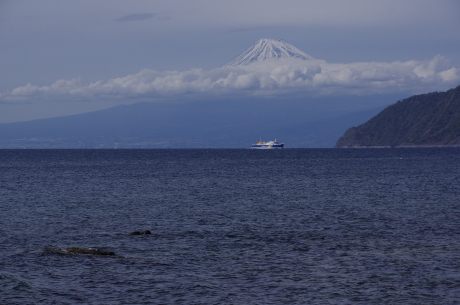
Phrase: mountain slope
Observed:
(266, 49)
(230, 124)
(431, 119)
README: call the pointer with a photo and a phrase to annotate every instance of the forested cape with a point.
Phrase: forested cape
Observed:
(431, 119)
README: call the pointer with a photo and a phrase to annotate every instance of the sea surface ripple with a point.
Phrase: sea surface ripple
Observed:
(240, 226)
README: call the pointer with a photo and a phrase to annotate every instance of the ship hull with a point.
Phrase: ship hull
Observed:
(276, 146)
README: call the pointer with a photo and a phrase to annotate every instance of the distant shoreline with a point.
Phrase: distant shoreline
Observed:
(403, 146)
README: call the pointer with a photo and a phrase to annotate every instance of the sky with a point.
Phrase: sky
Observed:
(65, 57)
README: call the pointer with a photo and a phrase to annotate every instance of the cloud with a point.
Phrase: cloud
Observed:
(144, 16)
(271, 78)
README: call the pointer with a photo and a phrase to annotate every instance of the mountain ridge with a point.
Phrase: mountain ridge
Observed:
(201, 124)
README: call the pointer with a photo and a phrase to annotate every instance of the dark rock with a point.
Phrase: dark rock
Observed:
(88, 251)
(146, 232)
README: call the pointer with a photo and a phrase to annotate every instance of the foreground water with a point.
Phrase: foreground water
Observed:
(293, 226)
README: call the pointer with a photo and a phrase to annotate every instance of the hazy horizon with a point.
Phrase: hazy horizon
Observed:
(62, 58)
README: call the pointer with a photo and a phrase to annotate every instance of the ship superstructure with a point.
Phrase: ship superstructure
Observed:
(267, 145)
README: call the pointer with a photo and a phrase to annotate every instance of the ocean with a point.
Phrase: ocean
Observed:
(236, 226)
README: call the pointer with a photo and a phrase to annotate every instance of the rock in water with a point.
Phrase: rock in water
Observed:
(88, 251)
(146, 232)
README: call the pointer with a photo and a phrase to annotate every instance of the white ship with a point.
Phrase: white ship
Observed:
(267, 145)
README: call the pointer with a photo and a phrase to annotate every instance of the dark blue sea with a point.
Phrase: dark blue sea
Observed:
(292, 226)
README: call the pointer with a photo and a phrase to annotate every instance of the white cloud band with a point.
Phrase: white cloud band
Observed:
(277, 77)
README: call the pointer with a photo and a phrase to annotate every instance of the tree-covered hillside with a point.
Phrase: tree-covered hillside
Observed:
(431, 119)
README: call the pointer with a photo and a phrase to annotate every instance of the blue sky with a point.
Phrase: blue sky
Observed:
(64, 57)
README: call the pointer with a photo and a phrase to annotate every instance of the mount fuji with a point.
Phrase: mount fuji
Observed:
(267, 49)
(230, 122)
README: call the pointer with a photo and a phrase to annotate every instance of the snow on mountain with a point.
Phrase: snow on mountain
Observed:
(266, 49)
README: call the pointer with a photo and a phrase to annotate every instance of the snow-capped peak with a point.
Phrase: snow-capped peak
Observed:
(266, 49)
